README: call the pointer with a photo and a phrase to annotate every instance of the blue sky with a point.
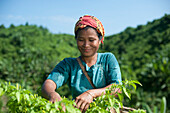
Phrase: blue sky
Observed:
(60, 16)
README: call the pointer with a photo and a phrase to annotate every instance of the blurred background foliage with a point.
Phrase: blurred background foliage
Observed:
(28, 53)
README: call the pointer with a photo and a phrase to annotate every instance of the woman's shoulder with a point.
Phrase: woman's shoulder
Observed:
(67, 63)
(69, 60)
(106, 54)
(106, 57)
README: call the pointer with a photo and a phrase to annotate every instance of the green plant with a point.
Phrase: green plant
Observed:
(105, 103)
(24, 101)
(21, 100)
(162, 108)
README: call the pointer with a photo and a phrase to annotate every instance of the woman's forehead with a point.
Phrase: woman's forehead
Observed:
(89, 31)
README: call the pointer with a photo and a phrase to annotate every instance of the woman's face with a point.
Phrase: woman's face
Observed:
(88, 42)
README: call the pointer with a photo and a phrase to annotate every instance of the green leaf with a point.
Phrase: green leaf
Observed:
(155, 109)
(163, 105)
(48, 106)
(132, 84)
(111, 102)
(18, 96)
(1, 91)
(126, 92)
(120, 97)
(17, 86)
(56, 105)
(32, 111)
(137, 82)
(26, 97)
(53, 110)
(147, 108)
(117, 109)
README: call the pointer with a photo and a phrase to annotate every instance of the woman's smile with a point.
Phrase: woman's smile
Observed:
(88, 42)
(86, 50)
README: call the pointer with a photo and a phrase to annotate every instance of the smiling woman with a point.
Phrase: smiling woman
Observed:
(88, 75)
(88, 42)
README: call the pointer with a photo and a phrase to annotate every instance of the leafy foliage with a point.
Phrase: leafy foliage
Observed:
(24, 101)
(28, 54)
(144, 54)
(107, 102)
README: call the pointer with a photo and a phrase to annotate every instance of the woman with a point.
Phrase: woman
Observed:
(102, 68)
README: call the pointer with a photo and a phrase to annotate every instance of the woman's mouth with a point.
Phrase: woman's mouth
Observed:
(86, 50)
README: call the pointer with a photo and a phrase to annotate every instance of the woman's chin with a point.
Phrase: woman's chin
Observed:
(87, 54)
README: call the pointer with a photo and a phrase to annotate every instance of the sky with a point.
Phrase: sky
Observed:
(60, 16)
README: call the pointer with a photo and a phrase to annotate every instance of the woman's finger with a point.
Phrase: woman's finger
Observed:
(76, 101)
(63, 107)
(86, 107)
(52, 100)
(82, 106)
(79, 104)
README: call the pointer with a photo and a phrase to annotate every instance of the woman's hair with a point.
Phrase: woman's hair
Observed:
(85, 28)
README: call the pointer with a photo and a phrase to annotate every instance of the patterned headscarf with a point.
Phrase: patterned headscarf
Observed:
(92, 21)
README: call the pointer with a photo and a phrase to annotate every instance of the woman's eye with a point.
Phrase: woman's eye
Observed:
(80, 40)
(91, 40)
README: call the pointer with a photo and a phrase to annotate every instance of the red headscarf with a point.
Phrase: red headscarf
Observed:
(92, 21)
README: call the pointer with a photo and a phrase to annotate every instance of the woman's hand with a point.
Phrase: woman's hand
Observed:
(54, 96)
(83, 101)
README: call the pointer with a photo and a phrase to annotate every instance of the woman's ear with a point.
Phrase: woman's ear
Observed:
(99, 41)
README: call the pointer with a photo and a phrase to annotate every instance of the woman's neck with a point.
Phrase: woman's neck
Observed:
(90, 60)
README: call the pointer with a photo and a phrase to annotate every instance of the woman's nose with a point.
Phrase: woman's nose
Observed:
(86, 43)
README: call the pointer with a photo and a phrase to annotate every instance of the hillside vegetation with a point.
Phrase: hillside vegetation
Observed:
(144, 54)
(28, 53)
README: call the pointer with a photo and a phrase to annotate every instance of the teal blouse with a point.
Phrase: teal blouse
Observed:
(106, 71)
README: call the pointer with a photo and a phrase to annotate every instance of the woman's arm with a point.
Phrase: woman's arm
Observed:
(98, 92)
(48, 91)
(83, 101)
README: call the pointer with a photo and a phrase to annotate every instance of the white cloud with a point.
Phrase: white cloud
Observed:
(9, 17)
(58, 18)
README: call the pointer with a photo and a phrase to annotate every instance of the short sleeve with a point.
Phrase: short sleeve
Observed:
(60, 73)
(114, 74)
